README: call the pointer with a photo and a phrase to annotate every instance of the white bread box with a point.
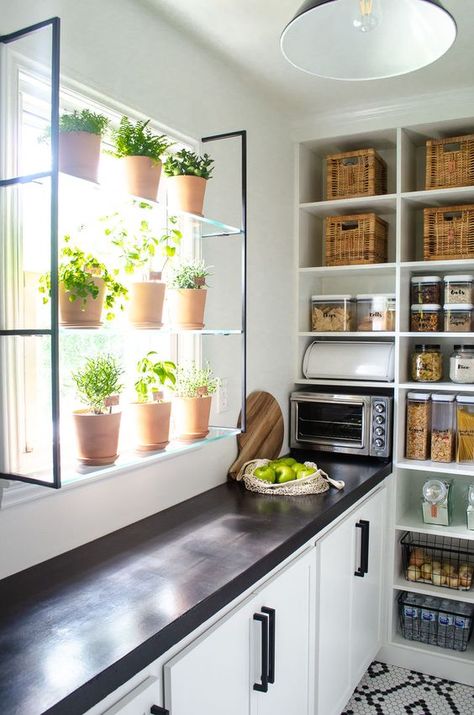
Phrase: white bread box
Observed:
(350, 360)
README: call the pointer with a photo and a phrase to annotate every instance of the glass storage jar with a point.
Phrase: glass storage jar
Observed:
(425, 289)
(458, 317)
(427, 363)
(470, 508)
(436, 506)
(332, 313)
(461, 364)
(376, 312)
(425, 318)
(443, 427)
(465, 429)
(458, 289)
(418, 426)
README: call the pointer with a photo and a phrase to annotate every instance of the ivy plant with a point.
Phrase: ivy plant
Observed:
(193, 381)
(188, 163)
(136, 139)
(153, 374)
(190, 274)
(97, 381)
(83, 121)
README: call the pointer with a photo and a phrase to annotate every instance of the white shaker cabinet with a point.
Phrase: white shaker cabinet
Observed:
(348, 615)
(142, 700)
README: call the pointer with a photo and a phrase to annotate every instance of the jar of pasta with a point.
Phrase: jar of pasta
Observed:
(443, 420)
(426, 363)
(418, 428)
(425, 318)
(465, 429)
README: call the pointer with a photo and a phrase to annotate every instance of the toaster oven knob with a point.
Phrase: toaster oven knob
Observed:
(379, 407)
(379, 431)
(379, 443)
(379, 420)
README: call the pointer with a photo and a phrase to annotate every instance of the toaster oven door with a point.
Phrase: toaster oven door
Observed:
(338, 423)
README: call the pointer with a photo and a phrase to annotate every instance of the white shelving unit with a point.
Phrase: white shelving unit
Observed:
(404, 151)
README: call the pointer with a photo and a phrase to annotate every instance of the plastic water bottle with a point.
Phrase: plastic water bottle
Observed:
(411, 617)
(462, 625)
(429, 620)
(446, 624)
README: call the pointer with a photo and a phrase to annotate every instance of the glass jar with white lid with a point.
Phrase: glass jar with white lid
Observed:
(376, 312)
(425, 289)
(461, 364)
(332, 313)
(459, 288)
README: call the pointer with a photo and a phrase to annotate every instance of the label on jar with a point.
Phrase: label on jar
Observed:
(425, 322)
(458, 294)
(458, 321)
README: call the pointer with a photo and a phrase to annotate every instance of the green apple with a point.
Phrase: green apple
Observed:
(302, 473)
(284, 473)
(298, 467)
(289, 461)
(266, 473)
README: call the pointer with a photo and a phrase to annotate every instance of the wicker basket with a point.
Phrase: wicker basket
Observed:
(448, 233)
(355, 173)
(450, 162)
(355, 240)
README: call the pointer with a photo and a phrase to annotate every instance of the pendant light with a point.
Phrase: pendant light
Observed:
(367, 39)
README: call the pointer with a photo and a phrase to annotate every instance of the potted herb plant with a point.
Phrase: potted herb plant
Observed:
(187, 291)
(84, 285)
(192, 403)
(80, 135)
(138, 245)
(187, 174)
(97, 427)
(152, 411)
(141, 151)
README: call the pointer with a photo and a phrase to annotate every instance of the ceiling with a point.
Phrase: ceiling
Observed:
(246, 34)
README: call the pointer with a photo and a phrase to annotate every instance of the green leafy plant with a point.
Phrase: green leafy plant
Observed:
(84, 121)
(190, 274)
(135, 139)
(188, 163)
(98, 381)
(152, 374)
(138, 243)
(76, 271)
(193, 381)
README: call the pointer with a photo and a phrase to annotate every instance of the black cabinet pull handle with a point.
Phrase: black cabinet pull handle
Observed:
(271, 648)
(364, 526)
(262, 687)
(157, 710)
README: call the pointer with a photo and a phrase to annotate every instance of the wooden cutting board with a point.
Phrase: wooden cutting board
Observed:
(264, 435)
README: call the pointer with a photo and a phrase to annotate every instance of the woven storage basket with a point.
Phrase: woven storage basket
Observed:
(355, 240)
(448, 233)
(355, 173)
(314, 484)
(450, 162)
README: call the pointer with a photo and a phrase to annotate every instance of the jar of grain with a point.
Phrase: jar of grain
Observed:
(376, 312)
(418, 425)
(461, 364)
(425, 289)
(465, 429)
(458, 289)
(443, 420)
(425, 318)
(332, 313)
(458, 317)
(427, 363)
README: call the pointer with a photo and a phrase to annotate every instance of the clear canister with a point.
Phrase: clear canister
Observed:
(332, 313)
(437, 501)
(425, 289)
(427, 363)
(458, 289)
(465, 429)
(461, 364)
(458, 317)
(418, 426)
(443, 427)
(376, 312)
(425, 318)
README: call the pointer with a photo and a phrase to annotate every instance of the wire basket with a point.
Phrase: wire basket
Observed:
(447, 624)
(448, 233)
(355, 173)
(355, 240)
(450, 162)
(438, 560)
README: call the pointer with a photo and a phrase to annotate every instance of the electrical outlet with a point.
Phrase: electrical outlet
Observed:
(223, 395)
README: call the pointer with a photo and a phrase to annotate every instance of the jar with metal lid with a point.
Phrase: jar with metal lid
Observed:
(461, 364)
(376, 312)
(458, 289)
(332, 313)
(418, 426)
(443, 427)
(458, 317)
(437, 502)
(425, 318)
(425, 289)
(427, 363)
(465, 429)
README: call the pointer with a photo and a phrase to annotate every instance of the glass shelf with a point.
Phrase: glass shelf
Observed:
(117, 330)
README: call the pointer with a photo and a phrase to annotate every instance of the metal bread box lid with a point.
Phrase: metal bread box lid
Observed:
(350, 360)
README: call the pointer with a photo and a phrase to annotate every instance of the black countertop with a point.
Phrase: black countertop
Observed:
(76, 627)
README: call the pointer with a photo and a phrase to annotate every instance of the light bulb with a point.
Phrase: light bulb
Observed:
(367, 19)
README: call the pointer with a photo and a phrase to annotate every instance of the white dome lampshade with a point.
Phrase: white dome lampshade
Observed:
(367, 39)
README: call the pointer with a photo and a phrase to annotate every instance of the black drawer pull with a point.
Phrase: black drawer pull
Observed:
(262, 687)
(271, 648)
(157, 710)
(364, 526)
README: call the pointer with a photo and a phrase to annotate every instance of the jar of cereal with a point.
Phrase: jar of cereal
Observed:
(443, 421)
(418, 429)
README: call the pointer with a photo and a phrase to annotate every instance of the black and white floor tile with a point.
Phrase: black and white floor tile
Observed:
(388, 690)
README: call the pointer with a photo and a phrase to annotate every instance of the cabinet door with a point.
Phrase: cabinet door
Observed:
(138, 701)
(287, 602)
(367, 590)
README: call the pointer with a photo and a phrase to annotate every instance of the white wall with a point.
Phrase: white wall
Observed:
(121, 48)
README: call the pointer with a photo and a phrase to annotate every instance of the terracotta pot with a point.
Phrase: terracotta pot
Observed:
(77, 315)
(187, 307)
(142, 176)
(146, 304)
(97, 437)
(79, 154)
(152, 421)
(186, 193)
(191, 417)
